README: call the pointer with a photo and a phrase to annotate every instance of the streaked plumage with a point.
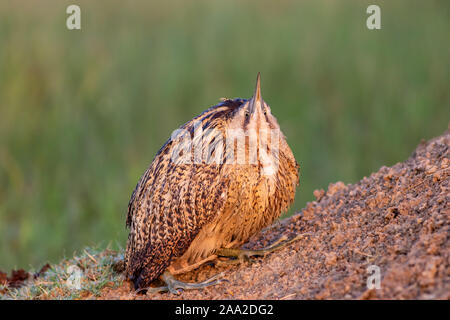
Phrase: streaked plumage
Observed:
(180, 213)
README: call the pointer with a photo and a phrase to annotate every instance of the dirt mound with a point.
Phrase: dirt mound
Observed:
(396, 220)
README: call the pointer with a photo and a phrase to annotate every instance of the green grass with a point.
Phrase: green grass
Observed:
(82, 113)
(96, 271)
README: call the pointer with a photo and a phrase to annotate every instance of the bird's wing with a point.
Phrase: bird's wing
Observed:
(171, 203)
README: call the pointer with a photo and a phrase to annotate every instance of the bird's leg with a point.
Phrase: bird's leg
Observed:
(173, 285)
(241, 255)
(178, 268)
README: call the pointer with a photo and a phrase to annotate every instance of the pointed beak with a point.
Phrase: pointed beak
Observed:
(256, 100)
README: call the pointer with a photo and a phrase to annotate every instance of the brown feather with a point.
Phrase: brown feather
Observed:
(180, 213)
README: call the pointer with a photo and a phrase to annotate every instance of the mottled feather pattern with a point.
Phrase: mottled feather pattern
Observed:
(181, 212)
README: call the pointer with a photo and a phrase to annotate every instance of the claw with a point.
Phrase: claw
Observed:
(175, 286)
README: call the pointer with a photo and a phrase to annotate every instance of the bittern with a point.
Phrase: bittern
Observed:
(221, 178)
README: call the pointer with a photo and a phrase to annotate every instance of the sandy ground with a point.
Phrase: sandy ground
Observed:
(397, 219)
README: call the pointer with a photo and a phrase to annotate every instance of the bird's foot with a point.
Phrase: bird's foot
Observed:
(243, 255)
(176, 286)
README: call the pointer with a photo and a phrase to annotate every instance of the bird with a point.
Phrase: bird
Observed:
(218, 180)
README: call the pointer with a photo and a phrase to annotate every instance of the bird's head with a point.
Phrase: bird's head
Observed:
(253, 124)
(254, 114)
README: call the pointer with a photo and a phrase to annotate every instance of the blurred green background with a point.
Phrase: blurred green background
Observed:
(82, 113)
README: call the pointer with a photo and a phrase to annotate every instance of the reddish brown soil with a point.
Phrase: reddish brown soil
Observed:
(396, 219)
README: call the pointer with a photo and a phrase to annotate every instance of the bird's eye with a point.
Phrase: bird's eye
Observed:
(265, 112)
(247, 114)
